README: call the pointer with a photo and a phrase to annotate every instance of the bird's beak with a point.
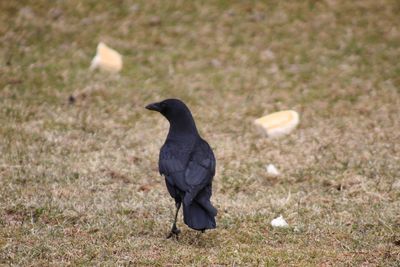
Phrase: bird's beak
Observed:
(154, 106)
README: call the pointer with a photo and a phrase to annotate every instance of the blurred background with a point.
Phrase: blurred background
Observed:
(78, 179)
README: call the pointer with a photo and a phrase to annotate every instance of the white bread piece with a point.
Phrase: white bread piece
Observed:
(272, 170)
(106, 59)
(279, 222)
(279, 123)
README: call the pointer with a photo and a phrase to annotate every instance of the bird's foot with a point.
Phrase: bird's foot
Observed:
(174, 232)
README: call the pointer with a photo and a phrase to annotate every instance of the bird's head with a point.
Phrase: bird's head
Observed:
(176, 112)
(170, 108)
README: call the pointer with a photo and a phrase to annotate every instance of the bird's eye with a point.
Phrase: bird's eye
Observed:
(163, 105)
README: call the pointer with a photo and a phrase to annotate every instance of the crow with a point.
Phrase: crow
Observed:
(188, 164)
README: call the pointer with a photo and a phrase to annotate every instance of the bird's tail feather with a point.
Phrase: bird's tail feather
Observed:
(196, 217)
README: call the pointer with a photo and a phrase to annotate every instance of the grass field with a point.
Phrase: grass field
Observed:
(79, 183)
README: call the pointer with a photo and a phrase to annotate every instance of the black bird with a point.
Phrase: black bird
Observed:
(188, 165)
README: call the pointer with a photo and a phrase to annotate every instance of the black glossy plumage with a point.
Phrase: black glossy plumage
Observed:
(188, 164)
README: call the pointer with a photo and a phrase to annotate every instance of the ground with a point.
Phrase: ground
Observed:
(78, 179)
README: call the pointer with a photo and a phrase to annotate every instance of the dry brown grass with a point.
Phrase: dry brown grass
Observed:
(79, 182)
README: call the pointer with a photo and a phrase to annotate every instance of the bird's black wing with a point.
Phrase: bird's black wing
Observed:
(172, 162)
(172, 159)
(199, 171)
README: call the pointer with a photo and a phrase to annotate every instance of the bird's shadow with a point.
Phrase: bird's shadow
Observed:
(197, 239)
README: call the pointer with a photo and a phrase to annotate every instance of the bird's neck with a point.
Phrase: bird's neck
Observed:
(183, 128)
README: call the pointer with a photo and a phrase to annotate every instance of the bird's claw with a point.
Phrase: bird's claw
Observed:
(174, 232)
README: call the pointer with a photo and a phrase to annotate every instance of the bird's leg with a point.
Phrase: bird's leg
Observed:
(175, 231)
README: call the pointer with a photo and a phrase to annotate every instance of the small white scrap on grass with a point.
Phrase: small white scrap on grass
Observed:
(106, 59)
(279, 123)
(272, 170)
(279, 222)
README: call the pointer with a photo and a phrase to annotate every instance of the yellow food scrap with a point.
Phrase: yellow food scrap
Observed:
(278, 123)
(106, 59)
